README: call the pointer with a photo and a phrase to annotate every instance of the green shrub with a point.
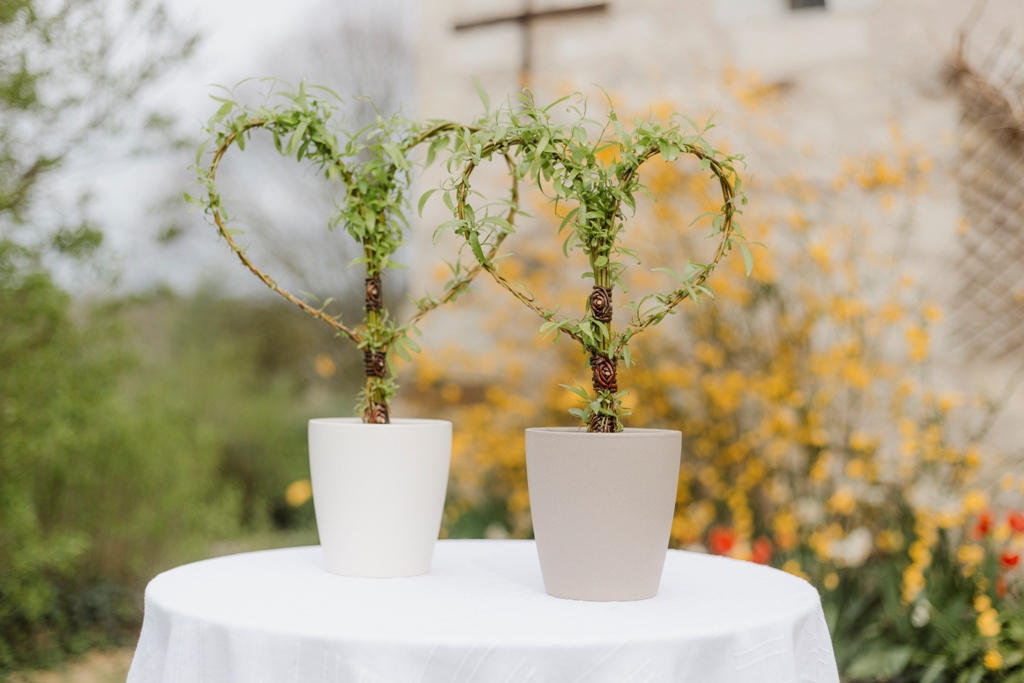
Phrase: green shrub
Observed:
(133, 436)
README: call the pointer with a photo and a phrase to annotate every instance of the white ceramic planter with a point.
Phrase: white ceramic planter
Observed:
(602, 509)
(378, 492)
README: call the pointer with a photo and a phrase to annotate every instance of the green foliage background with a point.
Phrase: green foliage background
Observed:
(142, 432)
(133, 436)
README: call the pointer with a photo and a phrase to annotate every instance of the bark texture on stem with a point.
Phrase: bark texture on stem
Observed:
(604, 378)
(601, 304)
(374, 300)
(605, 371)
(375, 361)
(377, 413)
(604, 368)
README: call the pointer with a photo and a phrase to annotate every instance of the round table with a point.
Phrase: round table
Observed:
(481, 615)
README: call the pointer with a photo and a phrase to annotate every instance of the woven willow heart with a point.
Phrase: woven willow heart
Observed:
(565, 164)
(374, 168)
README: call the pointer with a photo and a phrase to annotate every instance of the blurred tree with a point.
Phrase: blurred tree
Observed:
(135, 435)
(68, 70)
(35, 371)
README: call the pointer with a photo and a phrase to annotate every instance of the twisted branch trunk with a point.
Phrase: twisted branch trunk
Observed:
(604, 368)
(375, 360)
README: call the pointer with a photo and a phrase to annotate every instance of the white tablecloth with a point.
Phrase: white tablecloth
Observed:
(481, 615)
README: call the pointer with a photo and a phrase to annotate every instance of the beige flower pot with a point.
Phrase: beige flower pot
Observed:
(602, 509)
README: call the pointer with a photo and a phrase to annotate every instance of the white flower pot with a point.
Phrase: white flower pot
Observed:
(378, 492)
(602, 509)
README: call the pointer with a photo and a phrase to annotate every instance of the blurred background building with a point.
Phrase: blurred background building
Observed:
(801, 87)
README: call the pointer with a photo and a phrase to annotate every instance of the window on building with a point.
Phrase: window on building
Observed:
(804, 4)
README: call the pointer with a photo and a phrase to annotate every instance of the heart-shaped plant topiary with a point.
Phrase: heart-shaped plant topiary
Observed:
(374, 168)
(566, 164)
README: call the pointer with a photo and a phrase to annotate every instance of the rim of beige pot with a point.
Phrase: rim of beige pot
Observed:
(378, 493)
(602, 508)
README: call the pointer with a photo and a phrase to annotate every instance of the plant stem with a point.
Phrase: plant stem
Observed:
(377, 410)
(603, 366)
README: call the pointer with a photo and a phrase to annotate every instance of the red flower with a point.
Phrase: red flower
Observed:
(1016, 521)
(1010, 558)
(1000, 587)
(984, 524)
(761, 553)
(721, 540)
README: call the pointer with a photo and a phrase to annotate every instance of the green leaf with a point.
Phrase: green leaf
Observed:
(438, 231)
(500, 222)
(881, 663)
(671, 272)
(423, 201)
(482, 94)
(434, 147)
(669, 152)
(568, 217)
(327, 90)
(395, 152)
(538, 157)
(221, 113)
(557, 102)
(399, 348)
(748, 258)
(474, 244)
(703, 215)
(199, 152)
(578, 390)
(565, 244)
(296, 138)
(934, 670)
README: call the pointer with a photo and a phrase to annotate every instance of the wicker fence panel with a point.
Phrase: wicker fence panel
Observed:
(988, 305)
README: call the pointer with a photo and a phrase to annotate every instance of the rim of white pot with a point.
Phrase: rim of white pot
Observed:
(581, 431)
(402, 422)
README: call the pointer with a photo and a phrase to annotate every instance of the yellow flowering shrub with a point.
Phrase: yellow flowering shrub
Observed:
(812, 438)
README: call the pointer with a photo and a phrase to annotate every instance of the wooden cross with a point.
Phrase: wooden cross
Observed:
(525, 20)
